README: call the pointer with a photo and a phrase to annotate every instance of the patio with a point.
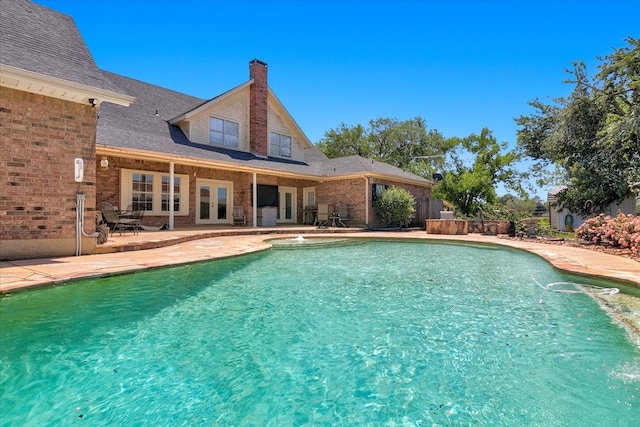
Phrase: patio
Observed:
(130, 241)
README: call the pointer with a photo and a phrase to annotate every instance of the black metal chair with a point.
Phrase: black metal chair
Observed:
(115, 221)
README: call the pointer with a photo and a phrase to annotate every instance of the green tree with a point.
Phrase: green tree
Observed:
(477, 164)
(395, 207)
(593, 135)
(345, 141)
(406, 144)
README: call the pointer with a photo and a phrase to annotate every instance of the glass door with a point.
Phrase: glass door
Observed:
(213, 202)
(287, 206)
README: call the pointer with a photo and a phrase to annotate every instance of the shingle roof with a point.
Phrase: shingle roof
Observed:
(358, 164)
(137, 127)
(41, 40)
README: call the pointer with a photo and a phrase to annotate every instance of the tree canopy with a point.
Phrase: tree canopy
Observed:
(406, 144)
(593, 135)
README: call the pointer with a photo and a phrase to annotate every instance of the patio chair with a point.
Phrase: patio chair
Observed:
(116, 222)
(239, 218)
(322, 217)
(343, 215)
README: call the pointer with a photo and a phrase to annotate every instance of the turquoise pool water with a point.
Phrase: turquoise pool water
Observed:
(373, 333)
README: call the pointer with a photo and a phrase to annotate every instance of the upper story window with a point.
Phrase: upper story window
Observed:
(280, 145)
(223, 132)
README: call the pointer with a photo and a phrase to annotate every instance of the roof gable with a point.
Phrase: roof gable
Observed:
(208, 104)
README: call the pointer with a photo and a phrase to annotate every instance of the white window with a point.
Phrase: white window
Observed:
(309, 196)
(141, 192)
(223, 132)
(166, 194)
(149, 191)
(280, 145)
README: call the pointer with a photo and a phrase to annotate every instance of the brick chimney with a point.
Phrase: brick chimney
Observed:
(258, 134)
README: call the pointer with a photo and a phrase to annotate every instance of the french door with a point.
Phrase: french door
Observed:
(287, 207)
(214, 202)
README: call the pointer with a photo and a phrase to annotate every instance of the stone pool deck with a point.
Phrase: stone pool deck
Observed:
(130, 253)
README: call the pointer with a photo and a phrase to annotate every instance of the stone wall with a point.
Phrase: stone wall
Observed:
(447, 226)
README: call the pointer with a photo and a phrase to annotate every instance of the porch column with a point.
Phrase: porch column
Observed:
(255, 200)
(366, 201)
(171, 195)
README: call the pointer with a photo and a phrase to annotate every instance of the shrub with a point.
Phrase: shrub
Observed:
(395, 207)
(622, 231)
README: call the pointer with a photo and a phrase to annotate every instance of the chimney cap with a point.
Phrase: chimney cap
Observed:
(257, 61)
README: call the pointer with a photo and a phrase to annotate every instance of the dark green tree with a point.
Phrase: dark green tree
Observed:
(593, 135)
(345, 141)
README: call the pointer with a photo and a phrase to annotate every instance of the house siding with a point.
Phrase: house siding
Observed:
(278, 124)
(39, 139)
(235, 109)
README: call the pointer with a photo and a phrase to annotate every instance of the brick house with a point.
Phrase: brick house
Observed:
(48, 80)
(145, 146)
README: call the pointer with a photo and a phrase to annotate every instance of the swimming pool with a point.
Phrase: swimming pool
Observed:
(366, 333)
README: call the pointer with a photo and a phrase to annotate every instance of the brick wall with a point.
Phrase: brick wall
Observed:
(258, 129)
(351, 192)
(39, 139)
(345, 192)
(108, 186)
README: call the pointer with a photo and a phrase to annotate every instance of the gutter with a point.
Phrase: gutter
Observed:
(19, 79)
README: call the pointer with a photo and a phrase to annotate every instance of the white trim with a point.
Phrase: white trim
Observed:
(255, 199)
(282, 208)
(29, 81)
(126, 189)
(171, 195)
(305, 196)
(213, 206)
(281, 136)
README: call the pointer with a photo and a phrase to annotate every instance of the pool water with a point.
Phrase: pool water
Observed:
(374, 333)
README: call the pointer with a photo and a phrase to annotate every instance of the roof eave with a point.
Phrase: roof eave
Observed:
(104, 150)
(29, 81)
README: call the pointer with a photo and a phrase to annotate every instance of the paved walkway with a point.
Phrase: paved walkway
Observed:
(129, 253)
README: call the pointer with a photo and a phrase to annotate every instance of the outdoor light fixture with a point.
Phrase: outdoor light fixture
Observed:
(93, 101)
(104, 163)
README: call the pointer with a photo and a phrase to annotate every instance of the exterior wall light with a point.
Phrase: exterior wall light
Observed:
(104, 163)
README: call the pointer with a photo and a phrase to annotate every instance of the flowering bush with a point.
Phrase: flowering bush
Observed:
(623, 231)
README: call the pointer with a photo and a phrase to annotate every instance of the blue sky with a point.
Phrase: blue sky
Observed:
(460, 65)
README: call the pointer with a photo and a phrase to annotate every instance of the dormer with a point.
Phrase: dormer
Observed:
(247, 118)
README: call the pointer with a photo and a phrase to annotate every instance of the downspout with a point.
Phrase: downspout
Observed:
(255, 200)
(171, 194)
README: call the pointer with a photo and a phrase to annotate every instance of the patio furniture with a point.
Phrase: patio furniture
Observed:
(343, 215)
(310, 213)
(322, 217)
(239, 218)
(130, 220)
